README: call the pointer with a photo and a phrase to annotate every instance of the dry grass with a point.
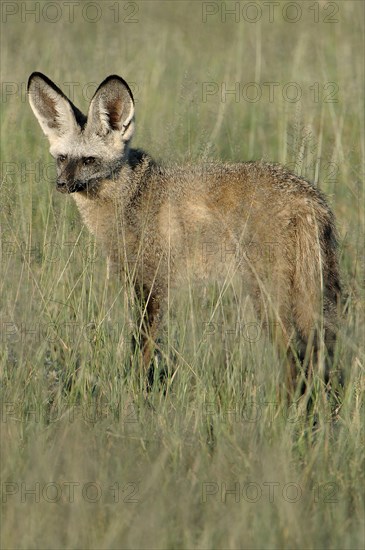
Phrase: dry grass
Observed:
(73, 411)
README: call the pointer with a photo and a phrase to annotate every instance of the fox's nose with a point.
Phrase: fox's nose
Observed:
(61, 186)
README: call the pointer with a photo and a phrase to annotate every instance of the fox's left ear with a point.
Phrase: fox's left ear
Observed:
(55, 112)
(112, 109)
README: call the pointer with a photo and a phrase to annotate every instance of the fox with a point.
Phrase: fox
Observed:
(162, 226)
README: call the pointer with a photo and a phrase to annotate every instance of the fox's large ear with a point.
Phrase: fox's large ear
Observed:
(56, 114)
(112, 109)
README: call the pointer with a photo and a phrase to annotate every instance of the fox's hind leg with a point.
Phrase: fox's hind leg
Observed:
(317, 332)
(272, 299)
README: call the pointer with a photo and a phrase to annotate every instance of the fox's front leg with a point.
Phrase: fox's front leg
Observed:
(150, 326)
(149, 304)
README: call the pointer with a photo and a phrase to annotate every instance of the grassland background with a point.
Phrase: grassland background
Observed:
(72, 409)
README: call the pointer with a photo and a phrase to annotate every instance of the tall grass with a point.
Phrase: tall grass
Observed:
(215, 460)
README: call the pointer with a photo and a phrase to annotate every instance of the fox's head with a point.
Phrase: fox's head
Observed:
(86, 149)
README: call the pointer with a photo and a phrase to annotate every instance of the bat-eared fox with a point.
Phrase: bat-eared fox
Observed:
(162, 227)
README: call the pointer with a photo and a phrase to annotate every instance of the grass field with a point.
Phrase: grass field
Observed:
(217, 460)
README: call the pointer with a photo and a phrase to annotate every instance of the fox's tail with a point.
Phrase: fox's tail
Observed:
(316, 280)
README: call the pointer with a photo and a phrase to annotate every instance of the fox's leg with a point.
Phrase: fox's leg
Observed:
(272, 298)
(279, 327)
(312, 327)
(282, 332)
(150, 328)
(149, 306)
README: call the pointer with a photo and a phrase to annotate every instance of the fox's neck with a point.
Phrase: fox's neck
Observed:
(104, 211)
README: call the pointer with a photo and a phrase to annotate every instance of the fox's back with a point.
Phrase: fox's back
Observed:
(207, 219)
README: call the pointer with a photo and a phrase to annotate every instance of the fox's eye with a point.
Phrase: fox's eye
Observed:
(88, 160)
(61, 158)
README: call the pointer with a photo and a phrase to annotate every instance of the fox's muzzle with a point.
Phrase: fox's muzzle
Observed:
(74, 187)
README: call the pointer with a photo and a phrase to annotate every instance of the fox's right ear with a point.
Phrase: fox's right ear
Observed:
(56, 114)
(111, 109)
